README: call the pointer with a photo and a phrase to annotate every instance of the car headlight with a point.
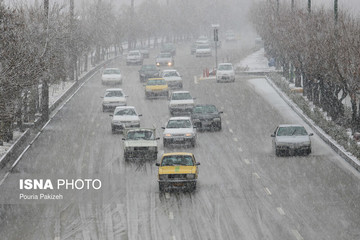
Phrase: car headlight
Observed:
(217, 119)
(157, 64)
(190, 176)
(163, 176)
(169, 63)
(167, 135)
(142, 74)
(189, 134)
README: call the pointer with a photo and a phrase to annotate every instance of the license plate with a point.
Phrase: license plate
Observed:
(178, 139)
(178, 184)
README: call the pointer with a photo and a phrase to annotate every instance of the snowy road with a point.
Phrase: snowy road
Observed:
(244, 191)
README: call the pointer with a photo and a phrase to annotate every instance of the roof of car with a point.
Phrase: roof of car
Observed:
(155, 79)
(177, 153)
(124, 107)
(111, 68)
(169, 70)
(225, 63)
(180, 92)
(201, 105)
(113, 89)
(180, 118)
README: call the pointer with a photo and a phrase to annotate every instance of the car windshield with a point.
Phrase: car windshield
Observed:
(171, 74)
(149, 67)
(181, 96)
(225, 67)
(111, 71)
(179, 123)
(114, 94)
(156, 82)
(125, 111)
(205, 109)
(291, 131)
(165, 55)
(177, 160)
(138, 135)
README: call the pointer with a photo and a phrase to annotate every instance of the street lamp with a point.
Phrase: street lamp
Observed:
(216, 39)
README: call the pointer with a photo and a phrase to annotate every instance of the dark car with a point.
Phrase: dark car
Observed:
(169, 47)
(206, 116)
(148, 71)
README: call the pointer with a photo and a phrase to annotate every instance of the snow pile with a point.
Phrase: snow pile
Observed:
(256, 62)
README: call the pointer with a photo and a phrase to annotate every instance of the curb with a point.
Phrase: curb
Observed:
(348, 157)
(13, 151)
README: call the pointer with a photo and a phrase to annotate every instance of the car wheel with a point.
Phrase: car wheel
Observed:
(219, 127)
(192, 187)
(161, 187)
(103, 109)
(165, 143)
(113, 130)
(126, 158)
(193, 143)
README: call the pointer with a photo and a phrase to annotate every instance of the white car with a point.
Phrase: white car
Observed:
(225, 72)
(203, 50)
(140, 143)
(172, 78)
(179, 130)
(134, 57)
(113, 98)
(291, 139)
(124, 117)
(181, 102)
(165, 59)
(111, 76)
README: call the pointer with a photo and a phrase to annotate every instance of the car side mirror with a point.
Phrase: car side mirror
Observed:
(272, 135)
(194, 98)
(197, 164)
(221, 112)
(157, 138)
(101, 97)
(140, 115)
(157, 164)
(111, 115)
(311, 134)
(163, 127)
(123, 139)
(126, 96)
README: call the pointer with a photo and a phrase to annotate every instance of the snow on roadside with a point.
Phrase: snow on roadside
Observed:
(255, 62)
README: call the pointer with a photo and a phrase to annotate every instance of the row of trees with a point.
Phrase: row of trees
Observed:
(323, 49)
(46, 44)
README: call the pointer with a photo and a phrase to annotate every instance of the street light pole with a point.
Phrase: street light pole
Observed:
(216, 39)
(309, 6)
(336, 10)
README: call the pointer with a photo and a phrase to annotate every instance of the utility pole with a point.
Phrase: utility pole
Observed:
(131, 34)
(45, 83)
(309, 6)
(292, 5)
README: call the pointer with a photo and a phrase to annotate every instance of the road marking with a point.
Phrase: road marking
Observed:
(240, 149)
(167, 195)
(235, 139)
(256, 175)
(195, 80)
(267, 191)
(171, 215)
(230, 130)
(280, 210)
(247, 161)
(297, 234)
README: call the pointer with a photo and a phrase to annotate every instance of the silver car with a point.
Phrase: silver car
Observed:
(291, 139)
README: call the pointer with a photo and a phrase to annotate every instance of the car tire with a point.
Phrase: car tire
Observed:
(277, 152)
(218, 128)
(103, 109)
(192, 187)
(161, 187)
(193, 143)
(165, 144)
(113, 130)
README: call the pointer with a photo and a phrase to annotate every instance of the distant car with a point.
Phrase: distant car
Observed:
(230, 35)
(148, 71)
(181, 102)
(134, 57)
(144, 52)
(165, 59)
(179, 131)
(202, 40)
(169, 47)
(140, 143)
(111, 76)
(178, 170)
(172, 78)
(203, 50)
(291, 139)
(124, 117)
(225, 72)
(156, 87)
(206, 116)
(113, 98)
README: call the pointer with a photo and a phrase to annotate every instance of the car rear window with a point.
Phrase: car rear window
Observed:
(181, 96)
(114, 94)
(291, 131)
(179, 124)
